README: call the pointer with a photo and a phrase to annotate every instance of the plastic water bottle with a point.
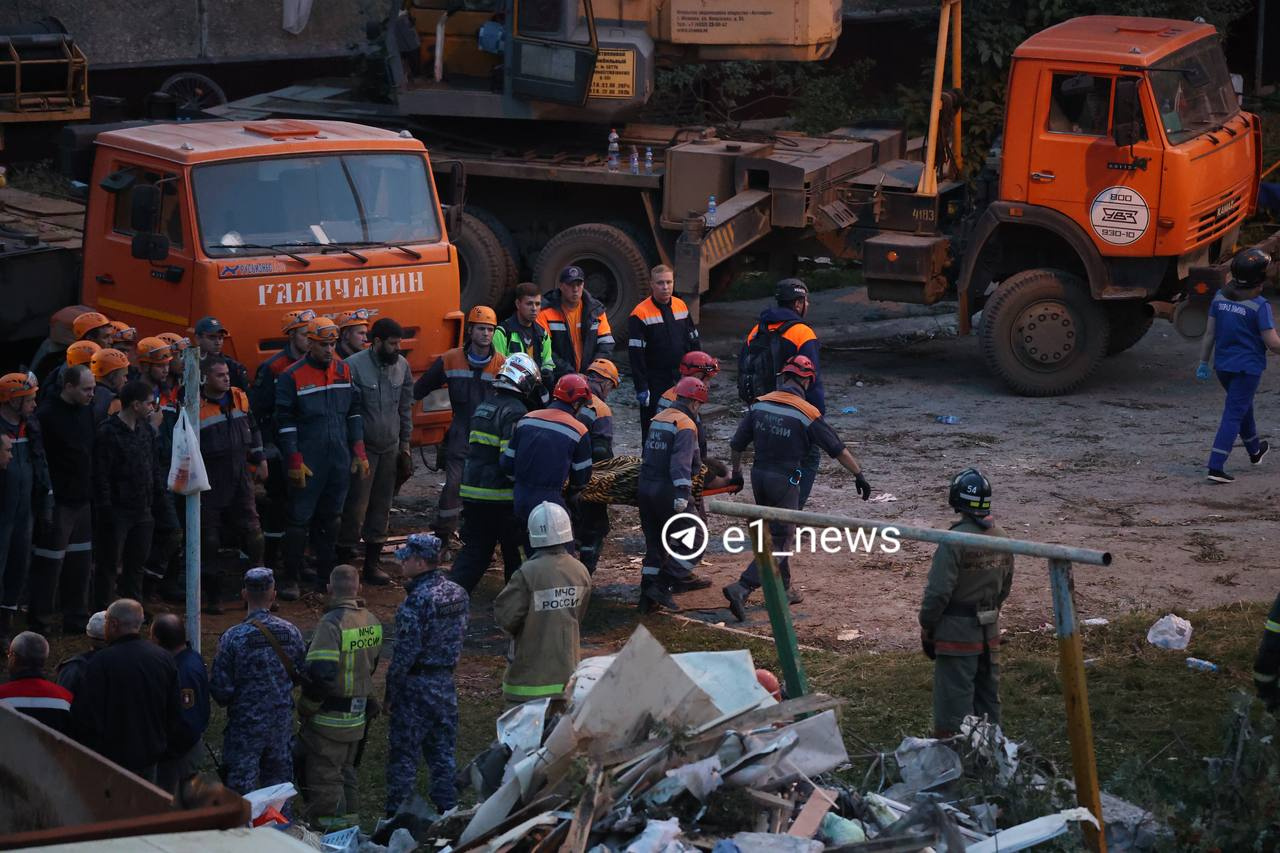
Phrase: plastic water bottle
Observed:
(613, 150)
(711, 211)
(948, 419)
(648, 160)
(1201, 665)
(635, 160)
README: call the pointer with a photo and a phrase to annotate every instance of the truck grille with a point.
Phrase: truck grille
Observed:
(1218, 215)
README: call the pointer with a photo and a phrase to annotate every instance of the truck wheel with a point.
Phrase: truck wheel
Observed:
(484, 270)
(1042, 333)
(1128, 322)
(616, 269)
(194, 92)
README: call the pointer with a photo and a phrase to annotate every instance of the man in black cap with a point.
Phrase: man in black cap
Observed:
(577, 324)
(210, 336)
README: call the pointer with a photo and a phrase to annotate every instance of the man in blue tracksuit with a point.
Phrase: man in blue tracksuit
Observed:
(1240, 331)
(549, 447)
(321, 440)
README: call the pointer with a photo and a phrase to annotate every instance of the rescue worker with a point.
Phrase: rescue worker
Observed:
(542, 608)
(129, 479)
(704, 367)
(24, 490)
(784, 428)
(110, 373)
(576, 323)
(548, 449)
(487, 515)
(960, 612)
(353, 331)
(659, 333)
(1266, 666)
(211, 337)
(667, 467)
(233, 457)
(322, 442)
(125, 338)
(784, 325)
(253, 673)
(386, 411)
(262, 402)
(93, 326)
(421, 697)
(591, 520)
(79, 352)
(156, 361)
(468, 371)
(1240, 331)
(521, 333)
(61, 557)
(336, 704)
(177, 346)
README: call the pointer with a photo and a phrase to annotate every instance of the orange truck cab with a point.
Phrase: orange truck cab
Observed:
(1127, 168)
(245, 221)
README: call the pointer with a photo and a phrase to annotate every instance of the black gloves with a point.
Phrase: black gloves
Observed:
(864, 488)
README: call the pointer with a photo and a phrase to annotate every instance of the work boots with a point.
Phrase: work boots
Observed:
(373, 575)
(654, 596)
(449, 542)
(693, 582)
(736, 594)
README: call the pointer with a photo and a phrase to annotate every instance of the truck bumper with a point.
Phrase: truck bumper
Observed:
(1191, 315)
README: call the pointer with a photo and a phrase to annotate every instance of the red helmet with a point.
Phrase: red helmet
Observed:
(572, 388)
(799, 366)
(700, 364)
(692, 388)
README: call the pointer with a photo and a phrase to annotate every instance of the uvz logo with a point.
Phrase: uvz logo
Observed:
(1120, 217)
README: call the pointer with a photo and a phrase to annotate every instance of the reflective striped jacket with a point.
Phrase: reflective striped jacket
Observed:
(469, 386)
(549, 448)
(262, 396)
(316, 408)
(783, 427)
(492, 425)
(670, 454)
(340, 664)
(1266, 666)
(667, 400)
(597, 417)
(541, 608)
(596, 335)
(229, 441)
(658, 336)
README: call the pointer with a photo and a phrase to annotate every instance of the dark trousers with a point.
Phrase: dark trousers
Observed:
(964, 685)
(61, 568)
(808, 472)
(314, 512)
(590, 527)
(659, 383)
(15, 552)
(773, 489)
(660, 565)
(1237, 417)
(123, 542)
(484, 525)
(272, 512)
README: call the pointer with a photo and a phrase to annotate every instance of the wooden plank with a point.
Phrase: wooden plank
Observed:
(24, 202)
(584, 815)
(806, 823)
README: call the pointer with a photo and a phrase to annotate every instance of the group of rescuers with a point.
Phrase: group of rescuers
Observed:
(326, 426)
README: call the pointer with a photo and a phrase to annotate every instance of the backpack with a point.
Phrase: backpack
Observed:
(760, 362)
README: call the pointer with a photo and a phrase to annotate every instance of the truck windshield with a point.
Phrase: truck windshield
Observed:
(1193, 90)
(362, 199)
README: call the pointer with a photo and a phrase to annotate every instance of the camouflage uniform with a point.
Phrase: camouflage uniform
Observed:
(421, 697)
(250, 680)
(966, 589)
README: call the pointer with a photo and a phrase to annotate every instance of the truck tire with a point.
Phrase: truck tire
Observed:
(1042, 333)
(616, 269)
(194, 92)
(506, 302)
(1128, 322)
(484, 270)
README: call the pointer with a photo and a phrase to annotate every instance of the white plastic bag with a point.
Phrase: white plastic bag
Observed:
(1170, 632)
(187, 474)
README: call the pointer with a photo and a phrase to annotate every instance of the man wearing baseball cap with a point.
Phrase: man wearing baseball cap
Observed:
(576, 322)
(210, 337)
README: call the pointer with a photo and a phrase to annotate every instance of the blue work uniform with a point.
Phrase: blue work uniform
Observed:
(24, 494)
(549, 447)
(1239, 357)
(667, 466)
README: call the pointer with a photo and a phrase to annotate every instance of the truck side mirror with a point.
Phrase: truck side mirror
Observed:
(453, 221)
(149, 246)
(145, 211)
(1127, 118)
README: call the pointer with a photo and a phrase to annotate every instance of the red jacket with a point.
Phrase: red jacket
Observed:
(39, 698)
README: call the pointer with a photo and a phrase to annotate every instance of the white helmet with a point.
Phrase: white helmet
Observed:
(549, 525)
(518, 373)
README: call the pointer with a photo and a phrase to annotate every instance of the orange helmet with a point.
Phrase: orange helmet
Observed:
(174, 340)
(605, 369)
(691, 388)
(322, 329)
(482, 314)
(294, 320)
(154, 351)
(572, 388)
(81, 352)
(124, 333)
(15, 385)
(358, 317)
(699, 363)
(87, 322)
(799, 366)
(108, 361)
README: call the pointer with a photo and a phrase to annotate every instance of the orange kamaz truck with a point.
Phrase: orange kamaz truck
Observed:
(247, 220)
